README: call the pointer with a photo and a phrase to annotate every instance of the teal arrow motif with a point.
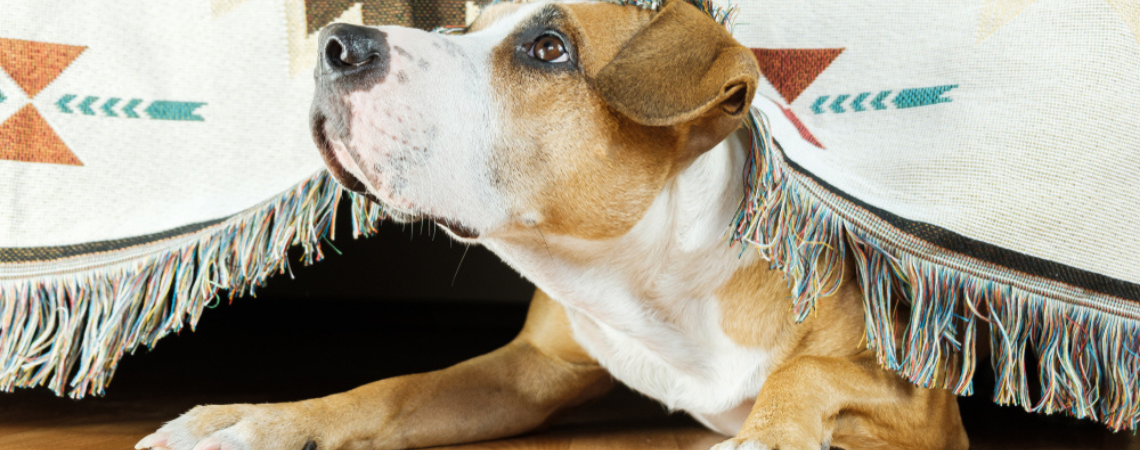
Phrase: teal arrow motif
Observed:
(63, 101)
(129, 110)
(817, 107)
(85, 105)
(857, 104)
(167, 110)
(2, 97)
(837, 105)
(108, 105)
(912, 98)
(877, 103)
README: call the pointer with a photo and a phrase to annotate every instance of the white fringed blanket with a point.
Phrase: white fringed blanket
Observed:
(979, 159)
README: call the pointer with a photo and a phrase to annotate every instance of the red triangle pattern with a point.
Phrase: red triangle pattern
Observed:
(27, 137)
(791, 70)
(34, 65)
(804, 133)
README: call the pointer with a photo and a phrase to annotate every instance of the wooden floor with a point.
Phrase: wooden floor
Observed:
(257, 351)
(43, 424)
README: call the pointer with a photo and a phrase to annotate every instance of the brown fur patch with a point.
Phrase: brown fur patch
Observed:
(755, 312)
(827, 387)
(576, 165)
(752, 312)
(585, 170)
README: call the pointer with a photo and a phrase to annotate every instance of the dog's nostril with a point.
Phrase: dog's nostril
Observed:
(333, 52)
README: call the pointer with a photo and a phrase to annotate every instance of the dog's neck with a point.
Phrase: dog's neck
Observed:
(678, 252)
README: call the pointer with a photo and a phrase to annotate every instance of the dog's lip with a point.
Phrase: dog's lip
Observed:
(454, 227)
(335, 167)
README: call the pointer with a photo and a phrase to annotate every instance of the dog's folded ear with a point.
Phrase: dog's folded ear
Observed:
(679, 68)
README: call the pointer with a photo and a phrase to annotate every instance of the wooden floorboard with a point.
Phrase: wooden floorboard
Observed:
(116, 431)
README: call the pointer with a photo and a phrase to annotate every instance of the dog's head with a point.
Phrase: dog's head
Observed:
(569, 117)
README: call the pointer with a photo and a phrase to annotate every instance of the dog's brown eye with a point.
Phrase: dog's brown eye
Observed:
(549, 48)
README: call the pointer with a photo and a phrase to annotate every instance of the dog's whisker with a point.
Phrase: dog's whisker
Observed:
(461, 258)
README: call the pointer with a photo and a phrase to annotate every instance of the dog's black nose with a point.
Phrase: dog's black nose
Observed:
(349, 49)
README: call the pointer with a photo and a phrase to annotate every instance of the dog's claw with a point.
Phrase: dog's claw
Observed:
(152, 441)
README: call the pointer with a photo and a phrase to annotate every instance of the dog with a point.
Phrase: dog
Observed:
(598, 149)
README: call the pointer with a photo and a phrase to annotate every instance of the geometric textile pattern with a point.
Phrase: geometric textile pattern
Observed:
(158, 109)
(113, 178)
(304, 18)
(868, 101)
(423, 14)
(34, 65)
(27, 137)
(804, 133)
(792, 70)
(319, 13)
(996, 13)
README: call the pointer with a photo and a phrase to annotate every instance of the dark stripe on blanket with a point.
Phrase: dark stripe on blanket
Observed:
(37, 254)
(1004, 257)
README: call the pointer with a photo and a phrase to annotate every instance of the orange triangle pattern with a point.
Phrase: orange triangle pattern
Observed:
(34, 65)
(27, 137)
(791, 70)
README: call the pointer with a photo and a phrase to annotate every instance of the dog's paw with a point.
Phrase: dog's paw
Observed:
(235, 427)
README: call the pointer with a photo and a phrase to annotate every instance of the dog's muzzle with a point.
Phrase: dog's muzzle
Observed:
(354, 58)
(351, 58)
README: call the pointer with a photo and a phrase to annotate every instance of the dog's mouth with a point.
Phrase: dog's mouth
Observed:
(454, 227)
(354, 184)
(338, 171)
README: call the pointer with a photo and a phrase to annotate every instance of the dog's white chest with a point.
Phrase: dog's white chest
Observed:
(694, 367)
(644, 305)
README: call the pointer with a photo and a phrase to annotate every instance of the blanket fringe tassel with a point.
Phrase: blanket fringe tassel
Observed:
(70, 330)
(922, 319)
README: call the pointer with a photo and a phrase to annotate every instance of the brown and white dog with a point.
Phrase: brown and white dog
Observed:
(597, 149)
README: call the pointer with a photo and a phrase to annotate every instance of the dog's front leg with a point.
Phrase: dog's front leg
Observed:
(850, 402)
(512, 390)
